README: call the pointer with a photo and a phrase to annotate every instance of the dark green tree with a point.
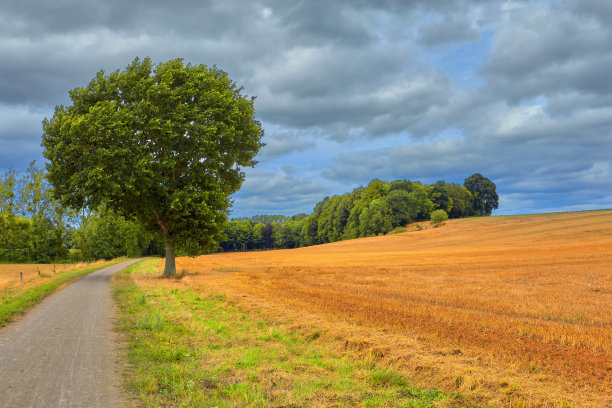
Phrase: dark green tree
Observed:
(419, 202)
(308, 235)
(258, 235)
(7, 212)
(107, 235)
(375, 218)
(363, 197)
(163, 145)
(291, 233)
(404, 185)
(268, 239)
(341, 216)
(239, 235)
(277, 235)
(439, 196)
(483, 190)
(463, 201)
(402, 210)
(44, 241)
(351, 227)
(326, 232)
(101, 237)
(310, 230)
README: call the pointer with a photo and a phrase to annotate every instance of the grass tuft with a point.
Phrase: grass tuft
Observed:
(387, 378)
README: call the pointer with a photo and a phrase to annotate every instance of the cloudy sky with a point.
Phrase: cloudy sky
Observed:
(349, 91)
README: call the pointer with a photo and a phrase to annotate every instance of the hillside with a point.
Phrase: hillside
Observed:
(503, 309)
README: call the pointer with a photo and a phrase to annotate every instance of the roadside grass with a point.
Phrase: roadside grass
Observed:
(194, 349)
(16, 299)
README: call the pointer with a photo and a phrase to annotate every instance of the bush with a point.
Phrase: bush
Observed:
(397, 230)
(438, 217)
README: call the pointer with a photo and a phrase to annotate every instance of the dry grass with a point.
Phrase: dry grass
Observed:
(10, 273)
(17, 296)
(199, 349)
(514, 311)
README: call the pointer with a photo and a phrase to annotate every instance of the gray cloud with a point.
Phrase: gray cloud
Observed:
(19, 137)
(32, 18)
(345, 89)
(452, 29)
(550, 51)
(349, 91)
(281, 141)
(277, 192)
(598, 9)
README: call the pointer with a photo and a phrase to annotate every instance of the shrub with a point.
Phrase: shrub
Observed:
(397, 230)
(438, 217)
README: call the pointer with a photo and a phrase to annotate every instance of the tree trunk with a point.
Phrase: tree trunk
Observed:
(170, 268)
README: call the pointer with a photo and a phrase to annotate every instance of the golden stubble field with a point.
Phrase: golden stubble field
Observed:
(34, 273)
(510, 311)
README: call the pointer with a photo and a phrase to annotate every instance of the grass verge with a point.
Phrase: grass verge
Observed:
(16, 300)
(199, 349)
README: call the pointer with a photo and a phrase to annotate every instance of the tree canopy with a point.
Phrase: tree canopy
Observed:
(162, 145)
(483, 190)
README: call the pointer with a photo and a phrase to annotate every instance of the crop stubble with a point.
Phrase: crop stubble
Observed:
(11, 275)
(504, 307)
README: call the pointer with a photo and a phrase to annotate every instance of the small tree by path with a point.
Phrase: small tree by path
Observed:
(162, 145)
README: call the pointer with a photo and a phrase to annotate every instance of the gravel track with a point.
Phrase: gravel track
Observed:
(63, 352)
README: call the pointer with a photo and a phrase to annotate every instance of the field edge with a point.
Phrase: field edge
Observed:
(17, 301)
(187, 348)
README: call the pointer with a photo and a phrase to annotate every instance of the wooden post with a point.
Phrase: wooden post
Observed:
(37, 270)
(21, 275)
(53, 268)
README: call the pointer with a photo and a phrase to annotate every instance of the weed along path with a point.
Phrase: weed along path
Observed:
(62, 353)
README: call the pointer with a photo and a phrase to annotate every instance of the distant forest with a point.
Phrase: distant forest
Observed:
(379, 208)
(34, 227)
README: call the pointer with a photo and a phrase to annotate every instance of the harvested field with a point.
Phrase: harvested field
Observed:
(511, 311)
(10, 273)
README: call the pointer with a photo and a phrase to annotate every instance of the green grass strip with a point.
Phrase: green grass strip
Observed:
(15, 300)
(187, 349)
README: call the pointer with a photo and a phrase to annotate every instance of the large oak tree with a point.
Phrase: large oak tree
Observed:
(163, 145)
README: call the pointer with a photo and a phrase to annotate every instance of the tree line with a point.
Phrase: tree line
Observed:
(378, 208)
(36, 227)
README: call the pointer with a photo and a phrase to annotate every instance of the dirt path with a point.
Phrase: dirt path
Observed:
(63, 352)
